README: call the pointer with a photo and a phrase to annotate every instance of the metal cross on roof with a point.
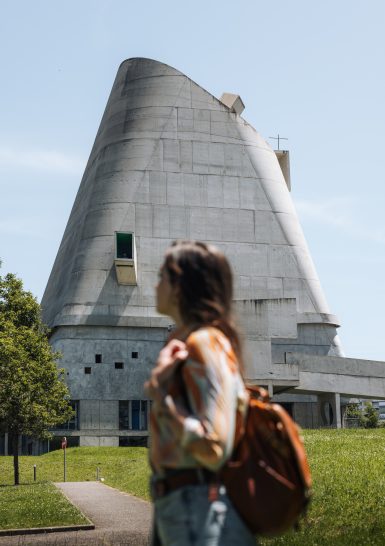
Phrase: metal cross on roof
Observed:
(278, 138)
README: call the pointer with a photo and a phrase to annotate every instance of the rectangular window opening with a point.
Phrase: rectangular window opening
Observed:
(119, 365)
(124, 246)
(73, 423)
(98, 359)
(87, 370)
(134, 354)
(133, 414)
(133, 441)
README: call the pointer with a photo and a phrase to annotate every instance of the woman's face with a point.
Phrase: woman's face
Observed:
(166, 296)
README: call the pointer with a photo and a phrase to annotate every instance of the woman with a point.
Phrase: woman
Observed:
(199, 401)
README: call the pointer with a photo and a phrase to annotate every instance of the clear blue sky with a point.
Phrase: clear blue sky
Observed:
(311, 71)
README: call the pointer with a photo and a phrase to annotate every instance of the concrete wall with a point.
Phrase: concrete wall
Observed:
(171, 161)
(79, 345)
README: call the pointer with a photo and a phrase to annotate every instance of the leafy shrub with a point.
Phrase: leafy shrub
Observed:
(370, 416)
(367, 416)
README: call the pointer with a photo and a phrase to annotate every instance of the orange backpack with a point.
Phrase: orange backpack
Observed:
(268, 477)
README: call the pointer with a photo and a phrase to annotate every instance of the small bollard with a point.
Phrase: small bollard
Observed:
(64, 448)
(34, 472)
(97, 473)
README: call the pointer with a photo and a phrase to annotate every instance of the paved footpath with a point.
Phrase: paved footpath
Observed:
(119, 518)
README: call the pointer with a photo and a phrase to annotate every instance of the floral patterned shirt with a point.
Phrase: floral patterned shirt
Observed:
(210, 399)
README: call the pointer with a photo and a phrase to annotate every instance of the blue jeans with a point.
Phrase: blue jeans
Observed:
(186, 517)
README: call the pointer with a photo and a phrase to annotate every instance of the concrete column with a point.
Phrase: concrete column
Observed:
(270, 388)
(6, 443)
(337, 407)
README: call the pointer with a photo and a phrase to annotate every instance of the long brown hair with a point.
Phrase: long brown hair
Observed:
(205, 282)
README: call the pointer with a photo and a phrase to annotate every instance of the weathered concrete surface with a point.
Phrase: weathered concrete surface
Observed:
(46, 530)
(170, 161)
(345, 376)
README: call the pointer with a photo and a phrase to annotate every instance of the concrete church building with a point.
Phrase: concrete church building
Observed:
(171, 161)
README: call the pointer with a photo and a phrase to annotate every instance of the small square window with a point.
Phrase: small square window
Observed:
(98, 359)
(87, 370)
(124, 246)
(134, 354)
(119, 365)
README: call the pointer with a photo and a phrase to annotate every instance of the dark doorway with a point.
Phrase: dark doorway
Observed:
(289, 407)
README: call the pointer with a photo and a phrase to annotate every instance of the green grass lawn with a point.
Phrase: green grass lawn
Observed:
(348, 468)
(39, 505)
(348, 506)
(123, 467)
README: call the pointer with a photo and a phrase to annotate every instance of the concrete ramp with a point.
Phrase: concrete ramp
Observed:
(350, 377)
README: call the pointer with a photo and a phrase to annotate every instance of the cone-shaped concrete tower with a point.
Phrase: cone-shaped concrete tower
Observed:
(171, 161)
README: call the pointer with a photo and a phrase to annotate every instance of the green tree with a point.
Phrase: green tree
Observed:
(370, 416)
(353, 411)
(367, 416)
(33, 395)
